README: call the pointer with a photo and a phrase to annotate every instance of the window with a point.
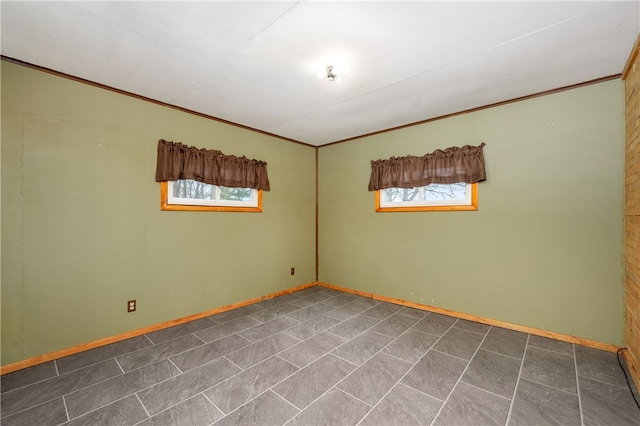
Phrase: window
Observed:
(192, 195)
(440, 181)
(433, 197)
(200, 179)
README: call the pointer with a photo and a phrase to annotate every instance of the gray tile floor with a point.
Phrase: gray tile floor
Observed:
(319, 356)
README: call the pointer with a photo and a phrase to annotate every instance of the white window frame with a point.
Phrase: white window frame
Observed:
(470, 202)
(169, 202)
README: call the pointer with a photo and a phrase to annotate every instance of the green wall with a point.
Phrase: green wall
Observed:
(545, 248)
(82, 230)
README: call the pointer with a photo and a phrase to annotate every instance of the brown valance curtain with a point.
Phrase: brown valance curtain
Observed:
(179, 161)
(451, 165)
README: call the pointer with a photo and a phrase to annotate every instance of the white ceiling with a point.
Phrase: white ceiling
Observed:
(256, 63)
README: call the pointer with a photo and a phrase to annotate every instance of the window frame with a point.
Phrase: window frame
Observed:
(166, 206)
(431, 208)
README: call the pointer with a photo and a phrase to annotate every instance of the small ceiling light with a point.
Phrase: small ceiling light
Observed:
(330, 74)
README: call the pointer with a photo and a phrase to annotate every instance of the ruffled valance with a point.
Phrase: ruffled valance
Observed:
(451, 165)
(178, 161)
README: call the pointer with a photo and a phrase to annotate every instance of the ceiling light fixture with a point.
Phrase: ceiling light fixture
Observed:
(330, 74)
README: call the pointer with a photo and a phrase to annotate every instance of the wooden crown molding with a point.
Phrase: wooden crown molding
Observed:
(144, 98)
(467, 111)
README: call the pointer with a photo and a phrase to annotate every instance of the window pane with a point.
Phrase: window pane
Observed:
(399, 195)
(442, 197)
(445, 192)
(236, 194)
(191, 193)
(193, 189)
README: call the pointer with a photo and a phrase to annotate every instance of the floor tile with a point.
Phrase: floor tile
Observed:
(228, 328)
(49, 413)
(493, 372)
(505, 342)
(347, 311)
(373, 379)
(629, 378)
(413, 312)
(550, 368)
(319, 293)
(353, 326)
(275, 312)
(368, 301)
(38, 393)
(469, 405)
(394, 325)
(403, 406)
(311, 290)
(95, 396)
(331, 292)
(435, 324)
(239, 389)
(180, 330)
(458, 342)
(381, 310)
(93, 356)
(313, 326)
(313, 357)
(363, 347)
(306, 385)
(234, 314)
(305, 314)
(411, 346)
(565, 348)
(205, 353)
(154, 353)
(178, 389)
(289, 297)
(312, 299)
(605, 404)
(265, 330)
(310, 350)
(342, 299)
(599, 365)
(126, 411)
(196, 411)
(536, 404)
(28, 376)
(266, 409)
(270, 303)
(334, 408)
(261, 350)
(435, 374)
(475, 327)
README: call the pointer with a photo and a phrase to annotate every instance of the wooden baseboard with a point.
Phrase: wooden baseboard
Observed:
(510, 326)
(30, 362)
(9, 368)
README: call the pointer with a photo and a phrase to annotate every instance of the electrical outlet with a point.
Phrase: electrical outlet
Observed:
(131, 305)
(293, 271)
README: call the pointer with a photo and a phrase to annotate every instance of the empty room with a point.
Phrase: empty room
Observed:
(320, 213)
